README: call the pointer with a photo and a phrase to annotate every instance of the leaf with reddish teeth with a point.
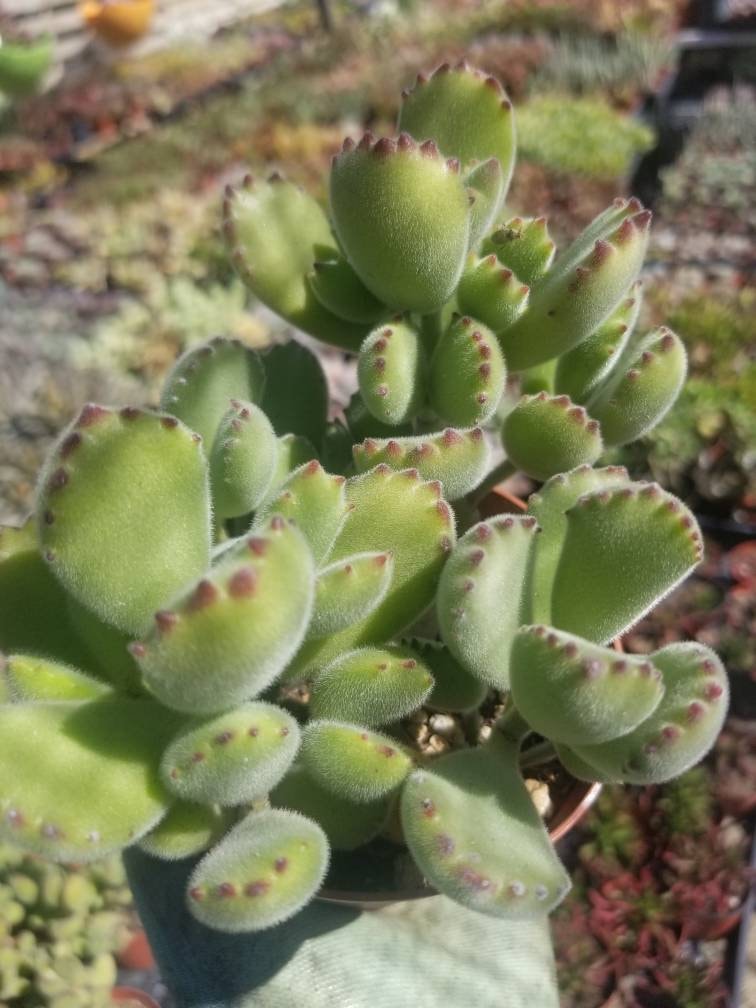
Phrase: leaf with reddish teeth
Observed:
(467, 374)
(233, 758)
(275, 233)
(468, 115)
(524, 246)
(581, 371)
(581, 290)
(545, 435)
(186, 831)
(123, 512)
(624, 549)
(390, 369)
(204, 380)
(482, 598)
(577, 693)
(261, 873)
(293, 451)
(348, 591)
(355, 764)
(228, 636)
(680, 731)
(392, 512)
(64, 799)
(471, 826)
(372, 686)
(314, 501)
(645, 385)
(458, 459)
(550, 506)
(402, 217)
(491, 292)
(243, 460)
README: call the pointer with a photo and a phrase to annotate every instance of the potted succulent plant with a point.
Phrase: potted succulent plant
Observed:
(224, 610)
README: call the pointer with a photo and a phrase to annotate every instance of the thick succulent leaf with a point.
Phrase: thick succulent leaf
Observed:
(683, 727)
(467, 374)
(635, 400)
(338, 288)
(204, 380)
(482, 598)
(485, 185)
(261, 873)
(347, 825)
(545, 435)
(107, 648)
(524, 246)
(578, 693)
(624, 549)
(348, 591)
(467, 113)
(389, 512)
(578, 294)
(228, 636)
(124, 512)
(60, 797)
(355, 764)
(293, 451)
(580, 371)
(314, 501)
(185, 831)
(242, 460)
(439, 953)
(457, 459)
(34, 614)
(454, 688)
(471, 826)
(491, 292)
(390, 370)
(550, 506)
(27, 678)
(290, 366)
(275, 232)
(233, 758)
(371, 686)
(402, 216)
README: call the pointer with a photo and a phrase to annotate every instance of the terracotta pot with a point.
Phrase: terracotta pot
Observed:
(137, 955)
(119, 23)
(130, 997)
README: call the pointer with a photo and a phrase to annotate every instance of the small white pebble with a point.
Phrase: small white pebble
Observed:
(437, 744)
(539, 792)
(443, 724)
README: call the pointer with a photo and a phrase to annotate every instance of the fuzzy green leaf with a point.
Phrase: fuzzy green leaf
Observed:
(467, 374)
(227, 636)
(260, 874)
(471, 825)
(124, 512)
(355, 764)
(545, 435)
(233, 758)
(372, 686)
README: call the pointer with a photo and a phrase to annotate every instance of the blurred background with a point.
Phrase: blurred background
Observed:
(121, 122)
